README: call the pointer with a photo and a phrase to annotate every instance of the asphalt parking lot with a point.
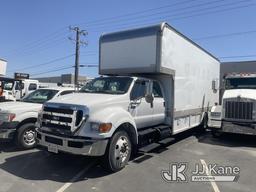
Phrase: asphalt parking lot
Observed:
(35, 170)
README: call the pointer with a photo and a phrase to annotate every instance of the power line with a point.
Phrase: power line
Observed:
(137, 12)
(50, 71)
(175, 10)
(46, 63)
(237, 56)
(153, 20)
(225, 35)
(37, 43)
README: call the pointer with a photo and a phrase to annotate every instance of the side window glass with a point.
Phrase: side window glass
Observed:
(139, 89)
(32, 86)
(157, 92)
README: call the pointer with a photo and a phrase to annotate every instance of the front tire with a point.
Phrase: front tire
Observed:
(25, 138)
(118, 152)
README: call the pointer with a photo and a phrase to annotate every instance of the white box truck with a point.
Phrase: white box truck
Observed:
(156, 83)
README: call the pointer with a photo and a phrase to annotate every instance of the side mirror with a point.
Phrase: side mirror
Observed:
(148, 94)
(149, 98)
(215, 86)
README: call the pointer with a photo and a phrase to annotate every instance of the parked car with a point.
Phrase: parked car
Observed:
(18, 118)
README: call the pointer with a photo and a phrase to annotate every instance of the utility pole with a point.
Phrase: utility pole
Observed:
(78, 43)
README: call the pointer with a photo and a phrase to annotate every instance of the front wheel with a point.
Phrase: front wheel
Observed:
(26, 136)
(118, 152)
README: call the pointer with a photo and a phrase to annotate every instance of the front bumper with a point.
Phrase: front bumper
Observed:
(8, 129)
(238, 127)
(78, 146)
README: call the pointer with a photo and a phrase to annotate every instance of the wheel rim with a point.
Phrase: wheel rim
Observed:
(122, 149)
(29, 137)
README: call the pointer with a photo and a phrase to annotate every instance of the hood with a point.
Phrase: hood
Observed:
(242, 93)
(86, 99)
(19, 107)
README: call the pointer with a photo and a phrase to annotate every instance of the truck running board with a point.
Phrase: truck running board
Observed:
(166, 140)
(149, 147)
(152, 146)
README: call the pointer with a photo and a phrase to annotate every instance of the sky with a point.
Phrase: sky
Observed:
(34, 34)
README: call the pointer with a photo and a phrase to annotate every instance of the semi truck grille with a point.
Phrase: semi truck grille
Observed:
(238, 110)
(64, 120)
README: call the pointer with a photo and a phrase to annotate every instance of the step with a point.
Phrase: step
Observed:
(166, 140)
(149, 147)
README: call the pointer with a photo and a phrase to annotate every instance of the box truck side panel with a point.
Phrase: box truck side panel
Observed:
(129, 52)
(195, 69)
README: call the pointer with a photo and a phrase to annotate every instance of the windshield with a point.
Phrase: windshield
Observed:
(40, 96)
(241, 83)
(108, 85)
(8, 86)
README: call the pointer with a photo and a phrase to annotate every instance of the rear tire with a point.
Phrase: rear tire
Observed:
(118, 152)
(25, 138)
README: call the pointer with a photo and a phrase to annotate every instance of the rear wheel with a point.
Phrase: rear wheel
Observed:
(118, 152)
(25, 138)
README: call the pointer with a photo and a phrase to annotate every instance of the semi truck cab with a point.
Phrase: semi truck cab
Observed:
(237, 114)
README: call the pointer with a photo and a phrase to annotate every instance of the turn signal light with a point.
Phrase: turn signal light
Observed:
(105, 127)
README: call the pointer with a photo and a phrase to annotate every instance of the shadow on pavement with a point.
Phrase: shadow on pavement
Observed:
(41, 165)
(8, 146)
(229, 140)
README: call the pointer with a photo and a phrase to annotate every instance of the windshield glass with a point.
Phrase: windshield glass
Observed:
(241, 83)
(108, 85)
(8, 86)
(40, 96)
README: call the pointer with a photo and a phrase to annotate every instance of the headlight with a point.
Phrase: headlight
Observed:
(7, 117)
(101, 127)
(215, 114)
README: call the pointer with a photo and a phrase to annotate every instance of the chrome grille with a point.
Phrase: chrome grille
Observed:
(238, 110)
(62, 119)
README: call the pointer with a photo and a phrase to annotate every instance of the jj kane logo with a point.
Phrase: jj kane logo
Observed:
(201, 172)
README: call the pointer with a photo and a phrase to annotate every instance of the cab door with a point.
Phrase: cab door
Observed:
(158, 104)
(139, 108)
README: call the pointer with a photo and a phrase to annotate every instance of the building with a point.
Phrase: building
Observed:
(64, 78)
(3, 65)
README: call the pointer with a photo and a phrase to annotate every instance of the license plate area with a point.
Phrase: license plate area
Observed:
(53, 148)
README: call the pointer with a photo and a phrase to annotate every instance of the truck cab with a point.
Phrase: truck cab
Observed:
(237, 114)
(150, 90)
(18, 118)
(15, 89)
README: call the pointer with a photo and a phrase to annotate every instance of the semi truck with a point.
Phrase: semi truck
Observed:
(155, 83)
(237, 114)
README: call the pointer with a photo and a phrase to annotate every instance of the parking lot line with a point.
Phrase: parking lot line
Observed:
(213, 183)
(75, 178)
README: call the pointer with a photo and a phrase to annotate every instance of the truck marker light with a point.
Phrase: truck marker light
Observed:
(105, 127)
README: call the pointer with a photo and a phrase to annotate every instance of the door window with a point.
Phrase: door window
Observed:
(139, 90)
(32, 86)
(157, 92)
